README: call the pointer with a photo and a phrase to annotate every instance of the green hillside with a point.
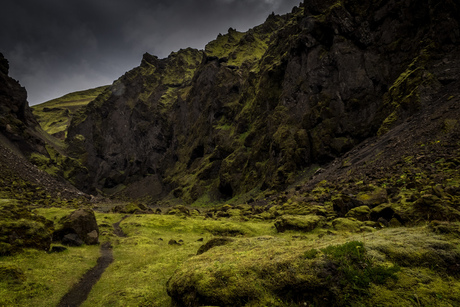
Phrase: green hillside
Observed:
(54, 116)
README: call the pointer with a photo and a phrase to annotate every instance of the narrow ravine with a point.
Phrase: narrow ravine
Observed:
(80, 291)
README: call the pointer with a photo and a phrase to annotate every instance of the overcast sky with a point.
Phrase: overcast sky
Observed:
(59, 46)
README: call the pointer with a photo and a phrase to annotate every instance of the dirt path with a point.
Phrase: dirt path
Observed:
(80, 291)
(117, 229)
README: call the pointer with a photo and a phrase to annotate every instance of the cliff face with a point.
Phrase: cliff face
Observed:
(17, 123)
(256, 109)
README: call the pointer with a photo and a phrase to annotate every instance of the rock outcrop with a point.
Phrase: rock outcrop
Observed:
(17, 122)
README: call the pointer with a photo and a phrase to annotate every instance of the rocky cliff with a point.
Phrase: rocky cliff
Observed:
(255, 110)
(17, 123)
(21, 141)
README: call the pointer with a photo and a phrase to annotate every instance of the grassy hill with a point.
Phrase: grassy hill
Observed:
(54, 116)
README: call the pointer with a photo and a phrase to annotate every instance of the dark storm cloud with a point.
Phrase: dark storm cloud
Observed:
(55, 47)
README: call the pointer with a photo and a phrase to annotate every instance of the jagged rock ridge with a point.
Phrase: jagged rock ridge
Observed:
(255, 109)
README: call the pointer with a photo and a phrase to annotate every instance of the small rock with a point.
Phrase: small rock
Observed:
(92, 238)
(173, 242)
(383, 222)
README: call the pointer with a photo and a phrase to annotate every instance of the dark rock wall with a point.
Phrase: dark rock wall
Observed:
(300, 89)
(17, 122)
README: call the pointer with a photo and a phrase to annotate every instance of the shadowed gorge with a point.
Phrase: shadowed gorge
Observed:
(313, 160)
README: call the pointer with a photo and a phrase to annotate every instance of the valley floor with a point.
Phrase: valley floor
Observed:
(257, 266)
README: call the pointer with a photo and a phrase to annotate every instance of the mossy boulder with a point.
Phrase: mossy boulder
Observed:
(373, 198)
(346, 224)
(20, 228)
(299, 222)
(179, 210)
(343, 203)
(81, 223)
(384, 211)
(360, 213)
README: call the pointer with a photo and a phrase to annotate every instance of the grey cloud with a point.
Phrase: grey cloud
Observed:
(55, 47)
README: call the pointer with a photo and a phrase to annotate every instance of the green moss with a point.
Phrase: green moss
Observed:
(20, 228)
(356, 269)
(373, 198)
(347, 224)
(301, 222)
(360, 213)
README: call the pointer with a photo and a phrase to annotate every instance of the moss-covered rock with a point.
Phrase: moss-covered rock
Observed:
(373, 198)
(360, 213)
(81, 223)
(20, 228)
(347, 224)
(299, 222)
(179, 210)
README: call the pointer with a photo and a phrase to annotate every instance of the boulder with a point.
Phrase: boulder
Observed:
(360, 213)
(344, 203)
(173, 242)
(82, 223)
(345, 224)
(179, 210)
(374, 198)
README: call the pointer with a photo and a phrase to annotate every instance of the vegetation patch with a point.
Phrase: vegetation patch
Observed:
(20, 228)
(332, 271)
(54, 116)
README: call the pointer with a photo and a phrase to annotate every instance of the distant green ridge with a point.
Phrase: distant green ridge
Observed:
(55, 115)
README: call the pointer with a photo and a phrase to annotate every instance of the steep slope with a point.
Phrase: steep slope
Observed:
(54, 116)
(259, 108)
(22, 139)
